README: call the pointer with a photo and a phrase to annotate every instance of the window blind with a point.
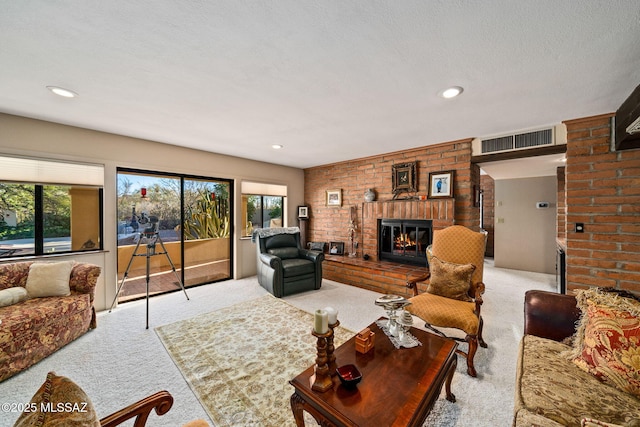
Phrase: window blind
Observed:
(20, 169)
(264, 189)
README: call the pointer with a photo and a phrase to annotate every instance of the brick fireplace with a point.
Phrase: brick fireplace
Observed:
(436, 213)
(380, 275)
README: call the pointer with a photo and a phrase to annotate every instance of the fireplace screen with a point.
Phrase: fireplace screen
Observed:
(404, 241)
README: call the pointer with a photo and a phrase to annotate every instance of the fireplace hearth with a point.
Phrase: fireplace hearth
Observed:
(404, 240)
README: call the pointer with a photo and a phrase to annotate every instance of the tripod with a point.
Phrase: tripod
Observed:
(151, 237)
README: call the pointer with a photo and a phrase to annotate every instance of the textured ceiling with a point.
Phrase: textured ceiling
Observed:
(329, 80)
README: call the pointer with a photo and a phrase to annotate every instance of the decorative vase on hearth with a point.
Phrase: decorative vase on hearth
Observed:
(369, 195)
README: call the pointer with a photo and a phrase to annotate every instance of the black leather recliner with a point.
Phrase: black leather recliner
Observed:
(284, 267)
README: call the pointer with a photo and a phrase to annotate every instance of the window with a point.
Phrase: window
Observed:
(263, 206)
(261, 212)
(17, 229)
(54, 207)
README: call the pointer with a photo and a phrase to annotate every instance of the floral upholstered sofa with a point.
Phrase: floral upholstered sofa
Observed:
(43, 307)
(589, 376)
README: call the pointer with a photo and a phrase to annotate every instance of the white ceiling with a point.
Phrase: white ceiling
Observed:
(330, 80)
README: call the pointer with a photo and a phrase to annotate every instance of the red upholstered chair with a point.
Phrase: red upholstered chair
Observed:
(453, 294)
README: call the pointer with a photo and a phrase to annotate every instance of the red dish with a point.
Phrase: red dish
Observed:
(349, 375)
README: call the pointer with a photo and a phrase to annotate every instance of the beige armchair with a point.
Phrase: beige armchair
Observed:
(453, 295)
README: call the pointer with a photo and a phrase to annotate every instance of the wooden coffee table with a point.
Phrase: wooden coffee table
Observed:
(398, 387)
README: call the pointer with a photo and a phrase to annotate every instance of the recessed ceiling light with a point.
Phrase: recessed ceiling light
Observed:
(451, 92)
(62, 91)
(277, 146)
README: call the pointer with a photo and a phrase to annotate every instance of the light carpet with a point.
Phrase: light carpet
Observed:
(238, 360)
(121, 361)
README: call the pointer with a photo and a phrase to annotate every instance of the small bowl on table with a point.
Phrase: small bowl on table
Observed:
(349, 375)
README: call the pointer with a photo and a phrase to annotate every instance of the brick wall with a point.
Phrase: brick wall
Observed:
(561, 209)
(488, 186)
(356, 176)
(603, 192)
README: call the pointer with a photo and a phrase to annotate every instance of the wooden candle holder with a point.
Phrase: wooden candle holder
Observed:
(322, 381)
(331, 357)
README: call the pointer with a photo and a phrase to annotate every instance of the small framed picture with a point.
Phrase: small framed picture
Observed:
(336, 248)
(441, 184)
(303, 211)
(334, 198)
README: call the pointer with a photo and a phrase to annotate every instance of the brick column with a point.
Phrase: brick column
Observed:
(603, 193)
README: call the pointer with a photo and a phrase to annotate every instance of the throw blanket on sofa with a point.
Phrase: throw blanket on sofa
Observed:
(266, 232)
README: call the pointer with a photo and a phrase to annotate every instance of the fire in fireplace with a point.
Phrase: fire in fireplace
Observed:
(404, 240)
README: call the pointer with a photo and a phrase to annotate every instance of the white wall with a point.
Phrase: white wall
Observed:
(525, 236)
(36, 138)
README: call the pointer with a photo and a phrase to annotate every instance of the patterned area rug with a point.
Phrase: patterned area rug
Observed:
(238, 360)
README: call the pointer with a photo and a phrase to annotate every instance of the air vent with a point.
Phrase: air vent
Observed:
(497, 144)
(534, 139)
(519, 141)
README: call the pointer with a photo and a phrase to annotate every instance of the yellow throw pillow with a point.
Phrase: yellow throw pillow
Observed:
(450, 280)
(609, 348)
(59, 402)
(49, 279)
(12, 296)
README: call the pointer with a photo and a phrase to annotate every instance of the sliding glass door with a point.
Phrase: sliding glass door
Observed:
(206, 231)
(171, 227)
